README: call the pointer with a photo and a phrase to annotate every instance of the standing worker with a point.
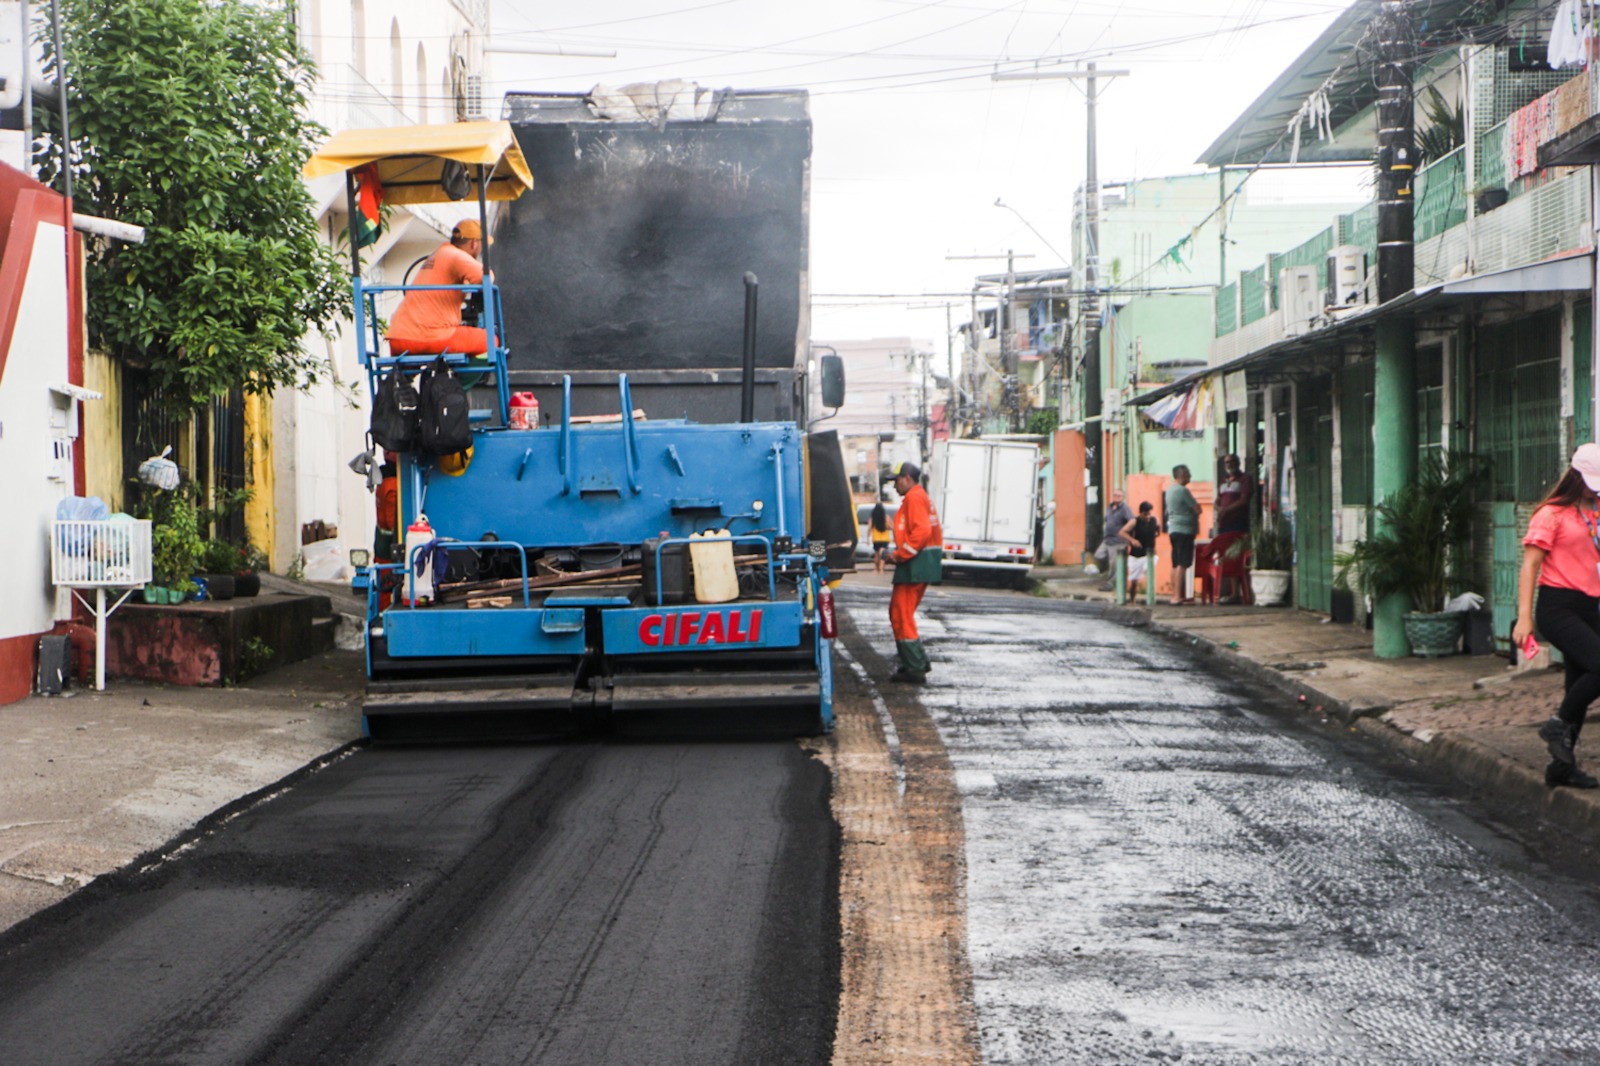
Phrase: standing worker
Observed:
(428, 322)
(1561, 553)
(918, 554)
(1180, 512)
(385, 542)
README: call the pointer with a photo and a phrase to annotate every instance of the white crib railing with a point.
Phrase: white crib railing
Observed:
(110, 553)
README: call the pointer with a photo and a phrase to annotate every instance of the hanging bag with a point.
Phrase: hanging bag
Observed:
(446, 429)
(396, 415)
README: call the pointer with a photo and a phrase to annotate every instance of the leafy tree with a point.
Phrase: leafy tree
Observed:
(1043, 420)
(188, 117)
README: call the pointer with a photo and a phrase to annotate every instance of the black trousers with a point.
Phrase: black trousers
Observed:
(1571, 621)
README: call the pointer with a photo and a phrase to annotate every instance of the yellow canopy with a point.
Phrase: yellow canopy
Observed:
(411, 159)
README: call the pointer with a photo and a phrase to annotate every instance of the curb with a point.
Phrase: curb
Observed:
(1345, 711)
(1573, 810)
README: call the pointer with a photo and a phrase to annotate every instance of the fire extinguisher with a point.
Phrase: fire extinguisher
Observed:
(825, 615)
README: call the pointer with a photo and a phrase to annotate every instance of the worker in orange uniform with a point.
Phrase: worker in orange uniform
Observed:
(428, 322)
(917, 555)
(385, 541)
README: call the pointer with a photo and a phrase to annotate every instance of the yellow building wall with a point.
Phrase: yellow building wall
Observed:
(258, 517)
(100, 435)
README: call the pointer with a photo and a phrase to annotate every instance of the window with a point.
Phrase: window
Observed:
(358, 36)
(1518, 391)
(397, 73)
(1430, 400)
(424, 105)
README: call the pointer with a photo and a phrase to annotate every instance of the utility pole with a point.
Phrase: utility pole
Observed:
(1093, 511)
(950, 374)
(1008, 355)
(922, 403)
(1393, 393)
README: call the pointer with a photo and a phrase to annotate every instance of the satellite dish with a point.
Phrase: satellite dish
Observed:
(454, 181)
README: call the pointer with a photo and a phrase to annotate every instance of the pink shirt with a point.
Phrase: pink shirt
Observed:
(1570, 559)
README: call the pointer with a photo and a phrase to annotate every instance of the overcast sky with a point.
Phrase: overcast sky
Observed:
(914, 141)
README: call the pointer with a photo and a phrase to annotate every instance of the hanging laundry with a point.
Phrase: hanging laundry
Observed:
(369, 199)
(1569, 34)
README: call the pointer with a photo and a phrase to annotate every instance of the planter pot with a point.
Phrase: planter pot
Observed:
(219, 586)
(246, 584)
(1270, 588)
(173, 596)
(1433, 635)
(155, 594)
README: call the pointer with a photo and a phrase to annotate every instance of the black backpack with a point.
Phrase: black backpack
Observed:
(396, 418)
(446, 428)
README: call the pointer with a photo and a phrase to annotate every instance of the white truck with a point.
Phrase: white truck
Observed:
(986, 493)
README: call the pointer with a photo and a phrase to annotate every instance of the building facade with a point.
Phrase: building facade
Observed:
(1346, 374)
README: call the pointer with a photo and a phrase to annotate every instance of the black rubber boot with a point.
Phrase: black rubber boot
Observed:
(913, 660)
(1559, 773)
(1559, 736)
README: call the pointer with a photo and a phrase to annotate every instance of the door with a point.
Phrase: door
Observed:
(963, 508)
(1012, 483)
(1314, 497)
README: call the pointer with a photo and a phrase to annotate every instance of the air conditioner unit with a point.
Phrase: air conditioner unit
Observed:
(1299, 298)
(1347, 275)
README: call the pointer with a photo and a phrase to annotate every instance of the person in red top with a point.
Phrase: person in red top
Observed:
(917, 555)
(429, 322)
(1561, 552)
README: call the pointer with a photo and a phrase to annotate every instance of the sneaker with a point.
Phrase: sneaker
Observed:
(1558, 738)
(1559, 773)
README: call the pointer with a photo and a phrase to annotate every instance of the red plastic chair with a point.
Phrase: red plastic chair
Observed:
(1213, 561)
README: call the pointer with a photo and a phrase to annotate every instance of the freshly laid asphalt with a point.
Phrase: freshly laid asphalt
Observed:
(92, 782)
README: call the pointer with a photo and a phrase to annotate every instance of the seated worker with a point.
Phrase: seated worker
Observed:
(427, 323)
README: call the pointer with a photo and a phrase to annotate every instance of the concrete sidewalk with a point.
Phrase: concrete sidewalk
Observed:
(92, 781)
(1474, 715)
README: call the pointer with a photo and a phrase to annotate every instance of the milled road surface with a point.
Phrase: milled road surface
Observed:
(581, 903)
(1076, 845)
(1166, 865)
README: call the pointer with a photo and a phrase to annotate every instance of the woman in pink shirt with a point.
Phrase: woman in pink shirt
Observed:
(1561, 553)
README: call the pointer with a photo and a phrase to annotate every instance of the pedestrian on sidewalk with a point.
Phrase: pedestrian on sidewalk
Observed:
(1561, 555)
(1140, 535)
(880, 536)
(1180, 515)
(918, 551)
(1234, 493)
(1111, 539)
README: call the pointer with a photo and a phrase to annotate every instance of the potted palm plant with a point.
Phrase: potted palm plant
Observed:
(1271, 561)
(1419, 548)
